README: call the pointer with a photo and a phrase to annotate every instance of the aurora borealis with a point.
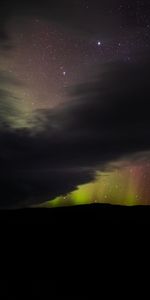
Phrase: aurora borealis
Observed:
(69, 65)
(126, 186)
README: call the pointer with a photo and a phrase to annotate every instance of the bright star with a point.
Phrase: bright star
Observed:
(99, 43)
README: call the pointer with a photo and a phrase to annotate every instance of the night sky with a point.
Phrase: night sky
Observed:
(49, 55)
(74, 80)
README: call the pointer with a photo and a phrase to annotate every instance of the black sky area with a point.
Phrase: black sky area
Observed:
(87, 16)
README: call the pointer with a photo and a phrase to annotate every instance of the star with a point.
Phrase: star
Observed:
(99, 43)
(64, 73)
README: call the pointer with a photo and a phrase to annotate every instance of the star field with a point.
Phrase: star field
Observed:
(48, 57)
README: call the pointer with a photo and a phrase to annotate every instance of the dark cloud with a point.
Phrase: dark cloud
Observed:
(105, 120)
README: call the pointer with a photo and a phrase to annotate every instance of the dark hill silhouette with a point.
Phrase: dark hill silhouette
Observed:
(48, 243)
(76, 215)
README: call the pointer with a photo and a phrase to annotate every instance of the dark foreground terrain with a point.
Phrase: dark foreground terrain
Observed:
(62, 253)
(76, 215)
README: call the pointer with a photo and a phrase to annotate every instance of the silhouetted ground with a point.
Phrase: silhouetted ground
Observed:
(76, 215)
(61, 253)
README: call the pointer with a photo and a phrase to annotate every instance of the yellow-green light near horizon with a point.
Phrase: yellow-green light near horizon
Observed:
(116, 187)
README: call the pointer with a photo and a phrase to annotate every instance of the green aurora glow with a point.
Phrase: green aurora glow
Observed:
(120, 186)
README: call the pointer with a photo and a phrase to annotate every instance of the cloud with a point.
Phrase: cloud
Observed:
(12, 111)
(106, 120)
